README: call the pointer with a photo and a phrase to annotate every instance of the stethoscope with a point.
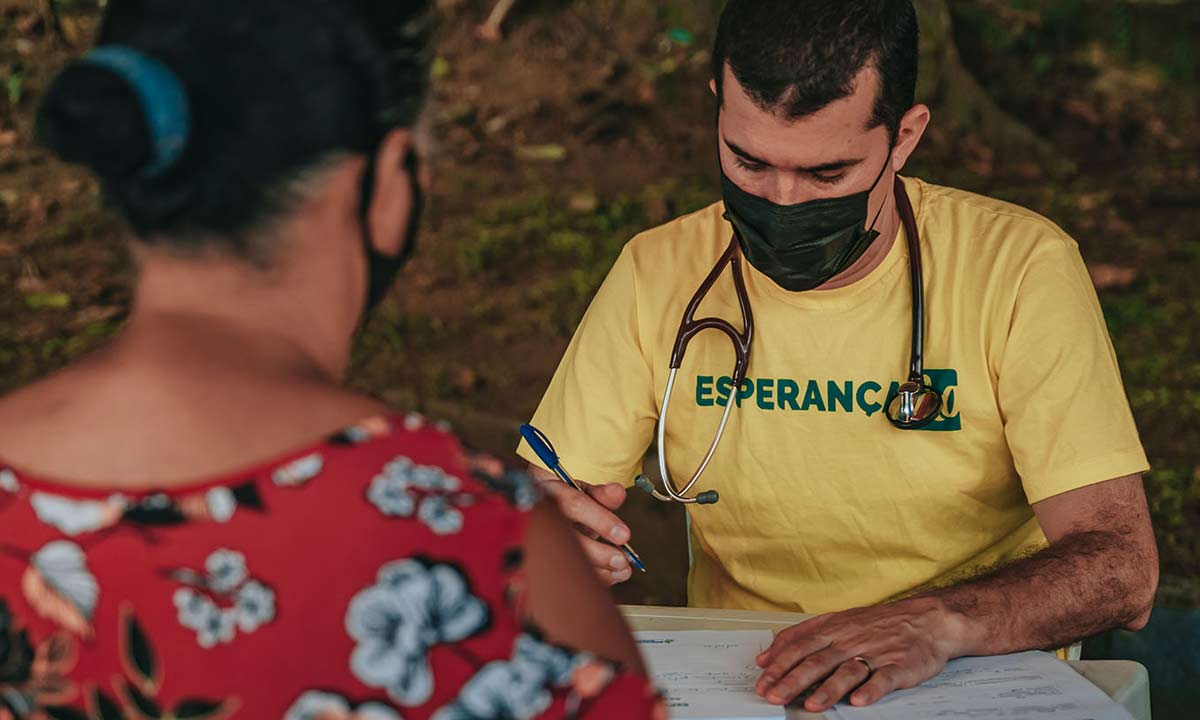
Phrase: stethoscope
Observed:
(914, 406)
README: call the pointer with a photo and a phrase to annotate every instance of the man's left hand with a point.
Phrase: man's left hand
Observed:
(901, 645)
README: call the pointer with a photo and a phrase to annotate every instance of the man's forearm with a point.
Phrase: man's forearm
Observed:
(1100, 571)
(1086, 583)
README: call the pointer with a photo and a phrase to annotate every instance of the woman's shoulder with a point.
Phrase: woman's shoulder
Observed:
(405, 465)
(410, 484)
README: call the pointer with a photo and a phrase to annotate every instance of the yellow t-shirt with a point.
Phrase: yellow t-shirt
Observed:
(824, 504)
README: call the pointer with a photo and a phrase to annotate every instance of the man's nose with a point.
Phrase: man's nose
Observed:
(788, 188)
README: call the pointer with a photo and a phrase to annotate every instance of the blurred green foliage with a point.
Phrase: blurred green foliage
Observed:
(1044, 33)
(564, 246)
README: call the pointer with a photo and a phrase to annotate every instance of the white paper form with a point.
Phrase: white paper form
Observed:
(709, 675)
(1030, 686)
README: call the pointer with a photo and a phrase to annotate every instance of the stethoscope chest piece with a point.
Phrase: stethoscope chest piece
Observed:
(914, 405)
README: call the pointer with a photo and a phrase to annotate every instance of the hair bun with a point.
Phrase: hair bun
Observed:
(90, 115)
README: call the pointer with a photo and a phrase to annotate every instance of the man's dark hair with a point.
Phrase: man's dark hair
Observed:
(275, 88)
(794, 57)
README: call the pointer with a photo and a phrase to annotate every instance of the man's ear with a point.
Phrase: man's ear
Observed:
(909, 134)
(391, 201)
(712, 86)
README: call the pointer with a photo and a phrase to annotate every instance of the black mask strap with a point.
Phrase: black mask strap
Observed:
(382, 269)
(875, 184)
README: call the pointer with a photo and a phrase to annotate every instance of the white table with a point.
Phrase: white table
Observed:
(1126, 682)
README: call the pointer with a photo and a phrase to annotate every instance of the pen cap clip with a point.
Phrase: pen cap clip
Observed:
(541, 445)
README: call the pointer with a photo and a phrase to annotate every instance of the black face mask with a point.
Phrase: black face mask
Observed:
(804, 246)
(382, 269)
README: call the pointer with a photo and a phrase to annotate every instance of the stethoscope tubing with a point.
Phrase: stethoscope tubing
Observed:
(668, 483)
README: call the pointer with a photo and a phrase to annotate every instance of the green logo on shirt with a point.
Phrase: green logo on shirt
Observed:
(834, 396)
(945, 382)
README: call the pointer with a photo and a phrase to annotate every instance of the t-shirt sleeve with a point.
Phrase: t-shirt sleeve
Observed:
(1066, 416)
(599, 410)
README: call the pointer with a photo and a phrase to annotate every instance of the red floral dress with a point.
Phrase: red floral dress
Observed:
(368, 577)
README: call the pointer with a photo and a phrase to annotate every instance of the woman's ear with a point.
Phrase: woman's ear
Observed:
(392, 195)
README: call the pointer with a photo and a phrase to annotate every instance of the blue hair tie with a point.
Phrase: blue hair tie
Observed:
(163, 98)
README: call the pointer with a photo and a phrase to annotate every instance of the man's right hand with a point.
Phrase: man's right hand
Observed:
(593, 517)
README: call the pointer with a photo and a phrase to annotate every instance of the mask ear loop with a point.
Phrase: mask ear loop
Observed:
(366, 190)
(382, 269)
(875, 184)
(412, 166)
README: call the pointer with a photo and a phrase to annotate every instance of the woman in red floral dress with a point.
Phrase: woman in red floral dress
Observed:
(198, 521)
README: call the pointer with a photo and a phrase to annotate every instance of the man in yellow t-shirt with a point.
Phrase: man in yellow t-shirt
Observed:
(1015, 519)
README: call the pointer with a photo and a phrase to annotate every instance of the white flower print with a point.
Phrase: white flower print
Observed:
(357, 434)
(555, 663)
(498, 690)
(405, 488)
(71, 517)
(221, 503)
(194, 608)
(226, 570)
(427, 477)
(404, 471)
(316, 705)
(63, 567)
(525, 492)
(254, 606)
(518, 688)
(390, 495)
(364, 431)
(299, 471)
(440, 516)
(76, 517)
(411, 608)
(518, 487)
(413, 422)
(224, 601)
(8, 481)
(218, 626)
(374, 711)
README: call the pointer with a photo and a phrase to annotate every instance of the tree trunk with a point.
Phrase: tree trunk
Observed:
(959, 98)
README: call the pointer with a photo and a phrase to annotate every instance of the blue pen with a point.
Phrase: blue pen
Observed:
(545, 451)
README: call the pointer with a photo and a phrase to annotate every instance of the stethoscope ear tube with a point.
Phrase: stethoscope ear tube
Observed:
(916, 365)
(915, 404)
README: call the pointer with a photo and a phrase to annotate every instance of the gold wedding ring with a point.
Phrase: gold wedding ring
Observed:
(866, 663)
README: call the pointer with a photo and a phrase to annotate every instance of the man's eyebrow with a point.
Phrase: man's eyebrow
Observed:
(830, 166)
(825, 167)
(745, 155)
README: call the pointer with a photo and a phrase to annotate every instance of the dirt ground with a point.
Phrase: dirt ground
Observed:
(591, 121)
